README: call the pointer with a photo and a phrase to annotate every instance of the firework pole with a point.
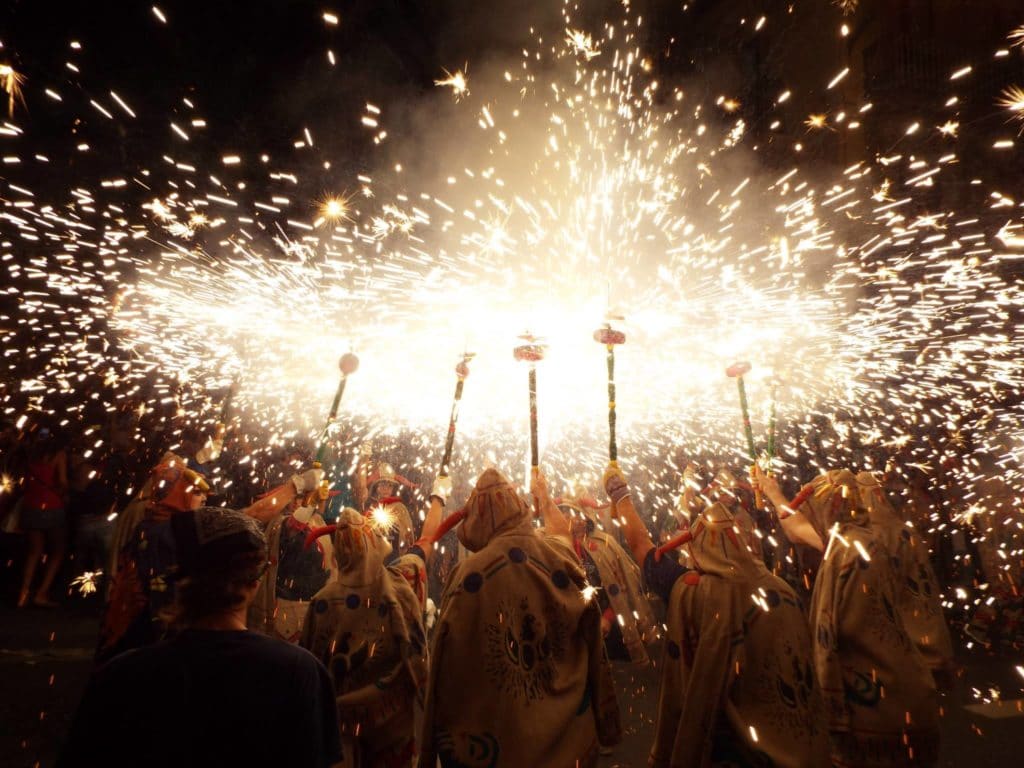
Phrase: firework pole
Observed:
(532, 352)
(461, 371)
(610, 338)
(348, 364)
(737, 371)
(771, 426)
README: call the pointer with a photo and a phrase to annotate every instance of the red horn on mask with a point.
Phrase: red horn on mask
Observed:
(683, 538)
(316, 533)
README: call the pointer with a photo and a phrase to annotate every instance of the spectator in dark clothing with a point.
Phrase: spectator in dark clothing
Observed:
(216, 694)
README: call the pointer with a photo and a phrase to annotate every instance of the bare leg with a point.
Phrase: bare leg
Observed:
(36, 541)
(58, 545)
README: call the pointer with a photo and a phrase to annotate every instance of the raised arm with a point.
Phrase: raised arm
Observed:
(555, 523)
(438, 498)
(796, 527)
(638, 538)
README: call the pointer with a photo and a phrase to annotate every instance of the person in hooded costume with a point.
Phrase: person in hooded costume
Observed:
(296, 572)
(880, 696)
(366, 626)
(918, 598)
(378, 495)
(141, 589)
(518, 675)
(627, 621)
(738, 685)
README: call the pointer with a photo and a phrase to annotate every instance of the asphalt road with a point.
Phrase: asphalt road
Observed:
(46, 657)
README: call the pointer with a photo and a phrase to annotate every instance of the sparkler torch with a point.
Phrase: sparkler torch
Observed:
(461, 371)
(737, 371)
(532, 353)
(348, 364)
(771, 426)
(610, 337)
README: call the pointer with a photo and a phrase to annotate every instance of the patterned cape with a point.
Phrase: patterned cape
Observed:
(918, 599)
(518, 674)
(738, 684)
(366, 627)
(880, 697)
(621, 582)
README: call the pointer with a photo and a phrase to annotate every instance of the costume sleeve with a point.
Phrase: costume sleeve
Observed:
(660, 575)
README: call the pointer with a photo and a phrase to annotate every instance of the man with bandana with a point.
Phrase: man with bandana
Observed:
(880, 697)
(738, 686)
(216, 694)
(518, 675)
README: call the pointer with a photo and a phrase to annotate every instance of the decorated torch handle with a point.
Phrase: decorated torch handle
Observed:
(610, 338)
(737, 371)
(534, 452)
(532, 353)
(348, 364)
(462, 371)
(613, 449)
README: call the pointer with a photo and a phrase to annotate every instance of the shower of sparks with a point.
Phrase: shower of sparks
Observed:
(383, 520)
(816, 122)
(11, 82)
(457, 82)
(846, 6)
(1012, 99)
(578, 181)
(86, 583)
(581, 43)
(1016, 37)
(588, 592)
(334, 208)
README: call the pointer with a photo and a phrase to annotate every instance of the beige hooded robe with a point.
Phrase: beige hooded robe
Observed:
(738, 686)
(518, 675)
(366, 627)
(918, 598)
(880, 697)
(620, 580)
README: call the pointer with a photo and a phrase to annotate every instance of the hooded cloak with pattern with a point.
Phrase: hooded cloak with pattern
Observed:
(918, 597)
(738, 684)
(518, 674)
(880, 697)
(366, 627)
(619, 577)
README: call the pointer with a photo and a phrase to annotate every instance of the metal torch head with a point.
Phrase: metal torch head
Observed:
(462, 369)
(737, 369)
(530, 353)
(609, 336)
(348, 364)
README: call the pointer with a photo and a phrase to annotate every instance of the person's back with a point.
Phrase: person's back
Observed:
(518, 673)
(738, 682)
(217, 694)
(206, 698)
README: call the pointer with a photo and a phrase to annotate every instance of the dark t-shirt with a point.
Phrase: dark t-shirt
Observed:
(207, 698)
(660, 576)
